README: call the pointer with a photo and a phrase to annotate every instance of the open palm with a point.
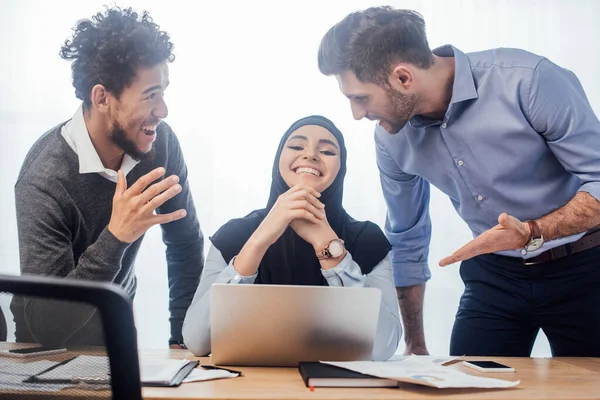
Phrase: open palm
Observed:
(509, 234)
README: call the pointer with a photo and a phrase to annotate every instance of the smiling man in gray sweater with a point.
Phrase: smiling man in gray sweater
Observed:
(91, 187)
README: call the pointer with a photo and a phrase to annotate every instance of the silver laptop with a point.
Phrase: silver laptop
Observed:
(281, 325)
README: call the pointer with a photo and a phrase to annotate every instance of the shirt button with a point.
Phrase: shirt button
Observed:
(444, 125)
(523, 251)
(480, 197)
(338, 269)
(460, 163)
(236, 277)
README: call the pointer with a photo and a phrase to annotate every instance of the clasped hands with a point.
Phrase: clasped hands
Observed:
(300, 209)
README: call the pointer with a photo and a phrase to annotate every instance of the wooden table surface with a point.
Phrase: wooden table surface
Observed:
(541, 378)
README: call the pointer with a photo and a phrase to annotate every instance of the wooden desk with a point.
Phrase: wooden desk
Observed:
(541, 378)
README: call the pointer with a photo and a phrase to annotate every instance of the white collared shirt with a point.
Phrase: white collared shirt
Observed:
(76, 134)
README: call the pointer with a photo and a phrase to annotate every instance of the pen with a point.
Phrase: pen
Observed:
(207, 366)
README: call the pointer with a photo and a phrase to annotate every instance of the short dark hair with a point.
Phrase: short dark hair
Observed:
(109, 48)
(368, 42)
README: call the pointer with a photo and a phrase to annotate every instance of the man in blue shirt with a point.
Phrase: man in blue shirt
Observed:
(511, 138)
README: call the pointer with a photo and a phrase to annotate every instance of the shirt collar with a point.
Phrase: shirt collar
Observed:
(76, 134)
(463, 88)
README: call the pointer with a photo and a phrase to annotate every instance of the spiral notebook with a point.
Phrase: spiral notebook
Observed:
(96, 370)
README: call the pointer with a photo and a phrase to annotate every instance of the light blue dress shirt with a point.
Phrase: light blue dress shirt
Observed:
(519, 137)
(196, 326)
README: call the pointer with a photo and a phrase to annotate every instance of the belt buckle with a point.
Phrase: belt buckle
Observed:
(551, 257)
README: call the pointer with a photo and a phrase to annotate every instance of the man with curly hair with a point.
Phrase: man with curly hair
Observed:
(90, 187)
(512, 140)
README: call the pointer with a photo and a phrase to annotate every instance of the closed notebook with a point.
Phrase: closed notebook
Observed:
(317, 374)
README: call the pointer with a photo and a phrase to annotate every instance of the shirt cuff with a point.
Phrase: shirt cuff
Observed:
(232, 276)
(410, 274)
(347, 273)
(593, 188)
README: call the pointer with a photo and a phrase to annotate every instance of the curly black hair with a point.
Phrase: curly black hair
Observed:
(109, 48)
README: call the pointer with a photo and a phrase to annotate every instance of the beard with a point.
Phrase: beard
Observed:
(119, 137)
(403, 109)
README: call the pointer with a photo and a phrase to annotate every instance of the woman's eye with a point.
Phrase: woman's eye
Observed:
(295, 147)
(328, 153)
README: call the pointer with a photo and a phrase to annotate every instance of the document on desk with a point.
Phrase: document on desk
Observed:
(200, 374)
(158, 371)
(13, 373)
(96, 370)
(423, 371)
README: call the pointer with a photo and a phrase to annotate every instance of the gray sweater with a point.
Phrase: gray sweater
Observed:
(62, 219)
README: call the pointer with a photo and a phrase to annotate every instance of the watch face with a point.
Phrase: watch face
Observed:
(336, 248)
(535, 244)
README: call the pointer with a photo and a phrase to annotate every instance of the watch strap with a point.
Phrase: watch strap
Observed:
(325, 254)
(536, 232)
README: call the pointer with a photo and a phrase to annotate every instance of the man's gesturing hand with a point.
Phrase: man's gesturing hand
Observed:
(133, 208)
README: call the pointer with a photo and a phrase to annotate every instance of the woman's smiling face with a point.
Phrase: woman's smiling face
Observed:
(311, 156)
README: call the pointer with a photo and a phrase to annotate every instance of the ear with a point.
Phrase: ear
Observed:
(401, 78)
(100, 98)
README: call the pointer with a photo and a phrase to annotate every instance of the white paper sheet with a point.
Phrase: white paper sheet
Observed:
(434, 359)
(423, 371)
(200, 374)
(13, 373)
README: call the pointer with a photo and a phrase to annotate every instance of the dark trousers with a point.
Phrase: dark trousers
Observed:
(505, 303)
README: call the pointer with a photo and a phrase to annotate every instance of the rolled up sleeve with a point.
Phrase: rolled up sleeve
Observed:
(407, 225)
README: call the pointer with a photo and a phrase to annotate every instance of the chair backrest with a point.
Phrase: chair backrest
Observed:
(116, 314)
(3, 332)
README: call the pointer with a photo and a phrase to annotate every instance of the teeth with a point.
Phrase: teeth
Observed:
(304, 170)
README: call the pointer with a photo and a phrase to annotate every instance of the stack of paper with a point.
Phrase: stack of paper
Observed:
(421, 370)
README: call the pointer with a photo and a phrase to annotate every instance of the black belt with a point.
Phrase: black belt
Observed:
(586, 242)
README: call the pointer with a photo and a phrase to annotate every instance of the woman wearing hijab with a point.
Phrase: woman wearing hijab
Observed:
(303, 237)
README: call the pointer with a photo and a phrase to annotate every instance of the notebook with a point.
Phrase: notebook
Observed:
(95, 369)
(161, 372)
(316, 374)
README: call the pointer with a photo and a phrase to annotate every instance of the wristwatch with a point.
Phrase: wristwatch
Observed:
(537, 240)
(334, 249)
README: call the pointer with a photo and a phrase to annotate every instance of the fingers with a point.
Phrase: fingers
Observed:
(448, 260)
(159, 200)
(454, 258)
(503, 219)
(469, 250)
(303, 214)
(145, 180)
(308, 196)
(121, 185)
(309, 189)
(308, 206)
(170, 217)
(158, 188)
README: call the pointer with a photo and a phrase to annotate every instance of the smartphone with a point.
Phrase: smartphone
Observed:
(32, 351)
(488, 366)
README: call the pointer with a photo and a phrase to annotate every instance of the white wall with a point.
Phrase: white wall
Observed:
(244, 71)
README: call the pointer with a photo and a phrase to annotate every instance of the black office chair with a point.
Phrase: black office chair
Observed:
(3, 332)
(116, 312)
